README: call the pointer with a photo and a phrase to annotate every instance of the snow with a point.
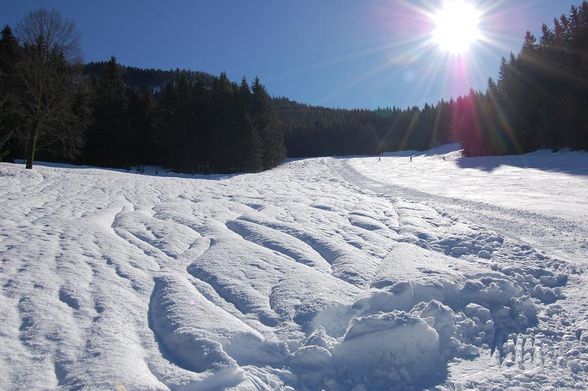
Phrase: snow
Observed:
(330, 273)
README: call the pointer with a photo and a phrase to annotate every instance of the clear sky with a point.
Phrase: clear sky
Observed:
(335, 53)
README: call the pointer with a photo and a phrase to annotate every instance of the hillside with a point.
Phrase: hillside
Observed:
(321, 273)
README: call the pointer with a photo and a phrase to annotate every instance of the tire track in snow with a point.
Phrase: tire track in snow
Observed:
(275, 240)
(213, 347)
(230, 293)
(342, 260)
(134, 240)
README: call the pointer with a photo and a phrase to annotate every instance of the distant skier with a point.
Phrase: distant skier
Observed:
(443, 157)
(411, 158)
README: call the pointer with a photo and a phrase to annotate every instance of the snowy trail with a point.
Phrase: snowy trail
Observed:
(312, 275)
(557, 235)
(541, 228)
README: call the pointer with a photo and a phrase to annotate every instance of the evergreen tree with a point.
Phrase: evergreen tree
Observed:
(110, 140)
(167, 142)
(250, 154)
(9, 121)
(225, 131)
(141, 111)
(264, 122)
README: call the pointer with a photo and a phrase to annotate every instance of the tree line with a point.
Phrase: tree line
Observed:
(318, 131)
(54, 108)
(194, 123)
(540, 99)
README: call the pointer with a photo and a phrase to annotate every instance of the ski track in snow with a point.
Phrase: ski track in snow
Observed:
(321, 273)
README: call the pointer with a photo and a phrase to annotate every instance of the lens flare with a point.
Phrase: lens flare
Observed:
(436, 48)
(456, 26)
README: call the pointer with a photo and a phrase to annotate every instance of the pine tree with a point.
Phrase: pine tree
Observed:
(271, 135)
(164, 134)
(250, 152)
(225, 131)
(141, 108)
(110, 141)
(9, 121)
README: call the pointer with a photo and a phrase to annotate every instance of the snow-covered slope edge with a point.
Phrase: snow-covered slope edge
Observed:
(295, 278)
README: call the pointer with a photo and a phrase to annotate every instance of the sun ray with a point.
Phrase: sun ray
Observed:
(456, 26)
(418, 46)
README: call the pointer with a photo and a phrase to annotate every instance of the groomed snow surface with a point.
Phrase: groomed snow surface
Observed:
(443, 273)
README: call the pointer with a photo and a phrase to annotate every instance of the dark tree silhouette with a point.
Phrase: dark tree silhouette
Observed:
(110, 141)
(196, 122)
(9, 56)
(45, 76)
(541, 96)
(271, 135)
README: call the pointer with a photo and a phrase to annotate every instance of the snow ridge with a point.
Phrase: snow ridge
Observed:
(309, 276)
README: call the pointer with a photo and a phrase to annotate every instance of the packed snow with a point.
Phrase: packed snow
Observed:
(367, 273)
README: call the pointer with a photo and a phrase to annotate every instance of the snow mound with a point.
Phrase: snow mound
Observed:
(216, 341)
(376, 351)
(388, 348)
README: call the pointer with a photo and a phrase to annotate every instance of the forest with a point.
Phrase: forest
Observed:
(55, 108)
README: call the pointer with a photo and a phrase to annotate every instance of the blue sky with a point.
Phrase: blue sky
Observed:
(336, 53)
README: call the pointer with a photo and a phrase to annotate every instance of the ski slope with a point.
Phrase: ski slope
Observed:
(330, 273)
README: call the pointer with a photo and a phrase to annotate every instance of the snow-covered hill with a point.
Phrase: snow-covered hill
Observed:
(329, 273)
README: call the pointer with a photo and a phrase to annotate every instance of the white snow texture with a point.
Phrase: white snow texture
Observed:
(330, 273)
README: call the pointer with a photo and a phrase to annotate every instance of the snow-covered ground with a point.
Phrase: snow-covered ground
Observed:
(329, 273)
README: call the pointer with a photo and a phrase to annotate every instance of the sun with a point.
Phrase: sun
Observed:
(456, 26)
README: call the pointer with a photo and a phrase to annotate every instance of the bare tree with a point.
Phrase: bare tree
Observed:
(50, 49)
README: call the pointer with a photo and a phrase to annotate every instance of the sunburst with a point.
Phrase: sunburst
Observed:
(456, 26)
